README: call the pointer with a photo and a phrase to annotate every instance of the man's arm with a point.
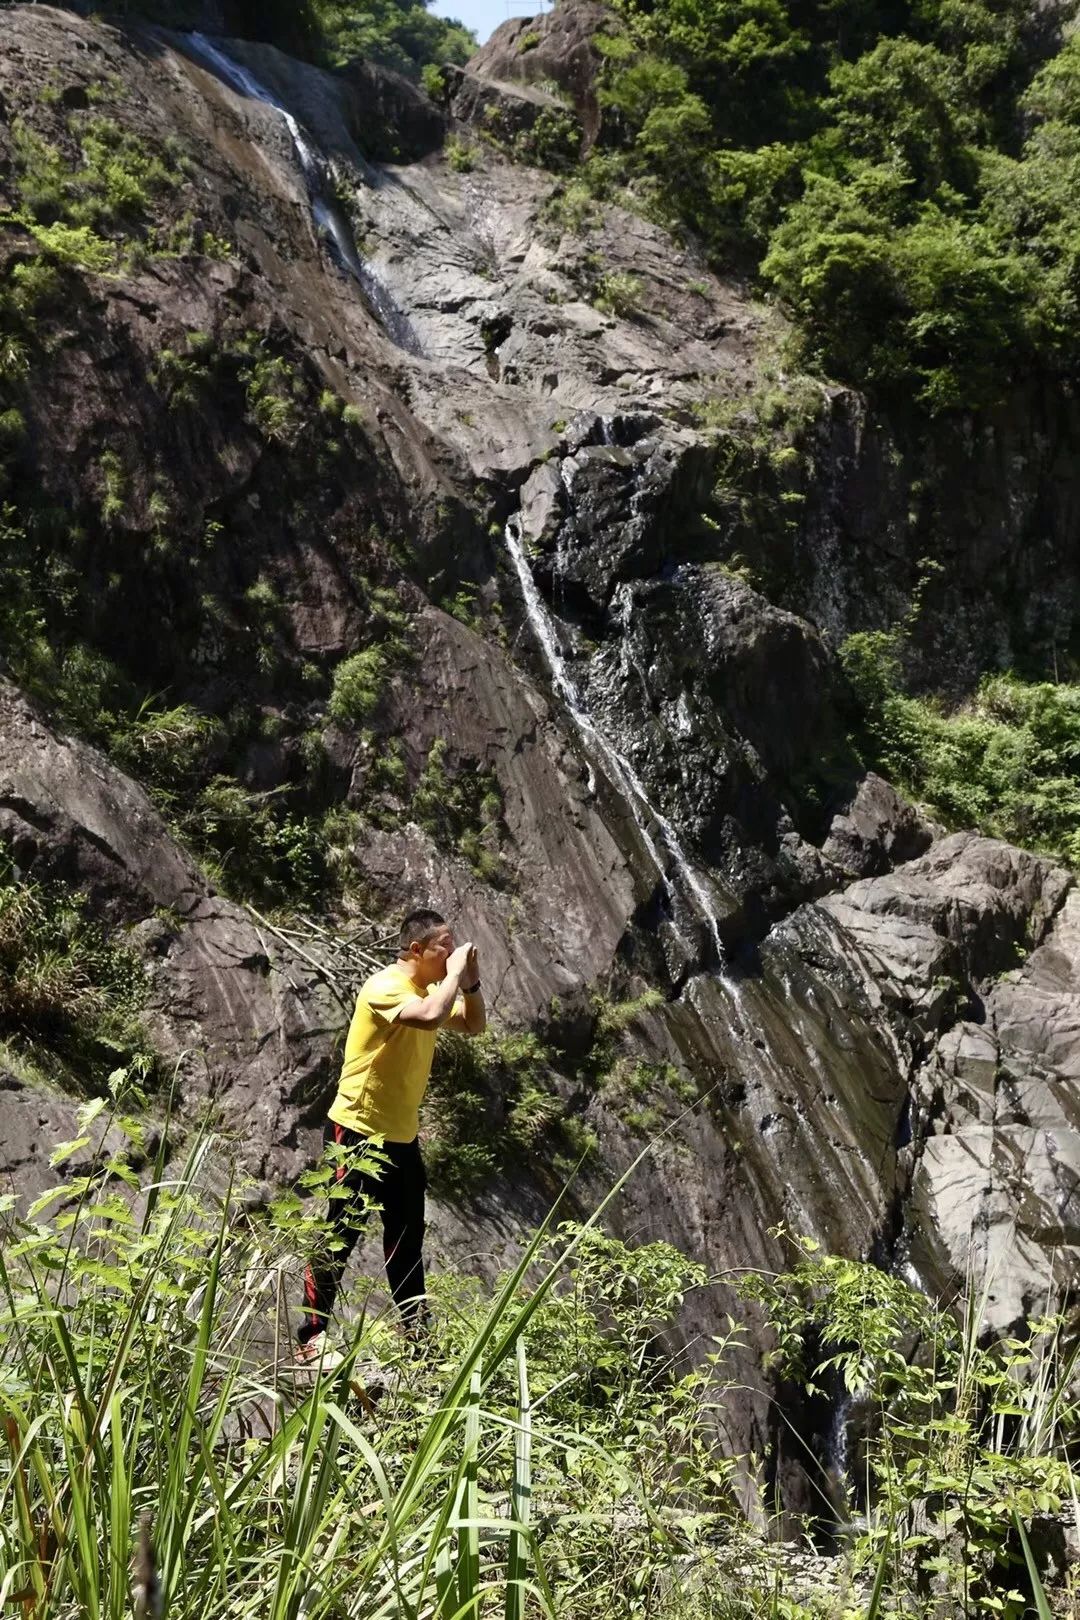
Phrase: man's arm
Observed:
(473, 1019)
(434, 1009)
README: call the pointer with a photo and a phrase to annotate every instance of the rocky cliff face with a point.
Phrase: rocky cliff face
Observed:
(364, 397)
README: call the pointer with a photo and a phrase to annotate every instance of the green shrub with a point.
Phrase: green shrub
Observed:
(618, 292)
(255, 850)
(74, 205)
(462, 811)
(553, 141)
(966, 1435)
(572, 207)
(168, 749)
(871, 167)
(493, 1100)
(1007, 762)
(357, 687)
(401, 34)
(273, 389)
(108, 1326)
(183, 378)
(70, 994)
(910, 299)
(434, 82)
(114, 486)
(460, 156)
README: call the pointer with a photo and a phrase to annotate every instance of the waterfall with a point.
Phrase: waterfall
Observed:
(330, 223)
(618, 767)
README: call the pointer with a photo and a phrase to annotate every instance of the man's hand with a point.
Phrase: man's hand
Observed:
(473, 1017)
(457, 963)
(435, 1009)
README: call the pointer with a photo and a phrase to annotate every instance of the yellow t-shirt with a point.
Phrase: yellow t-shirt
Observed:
(386, 1068)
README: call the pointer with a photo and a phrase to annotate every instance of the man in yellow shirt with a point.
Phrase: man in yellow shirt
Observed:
(433, 985)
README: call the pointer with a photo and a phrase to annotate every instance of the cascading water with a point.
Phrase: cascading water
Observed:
(618, 767)
(329, 221)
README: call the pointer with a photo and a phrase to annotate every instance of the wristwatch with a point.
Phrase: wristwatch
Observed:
(472, 989)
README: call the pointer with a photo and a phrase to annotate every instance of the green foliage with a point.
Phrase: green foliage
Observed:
(460, 155)
(103, 185)
(433, 80)
(965, 1435)
(139, 1333)
(618, 292)
(905, 176)
(462, 811)
(75, 247)
(70, 994)
(253, 848)
(141, 1325)
(185, 237)
(401, 34)
(183, 377)
(167, 748)
(552, 142)
(113, 486)
(910, 298)
(503, 1098)
(493, 1099)
(613, 1017)
(902, 105)
(1008, 762)
(572, 207)
(357, 686)
(274, 392)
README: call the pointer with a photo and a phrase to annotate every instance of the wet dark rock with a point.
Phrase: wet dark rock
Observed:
(1006, 584)
(632, 508)
(876, 831)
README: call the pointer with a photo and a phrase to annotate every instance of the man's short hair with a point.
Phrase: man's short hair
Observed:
(418, 928)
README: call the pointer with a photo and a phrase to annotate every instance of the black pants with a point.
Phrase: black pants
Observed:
(398, 1189)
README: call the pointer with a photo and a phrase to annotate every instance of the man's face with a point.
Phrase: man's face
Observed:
(431, 957)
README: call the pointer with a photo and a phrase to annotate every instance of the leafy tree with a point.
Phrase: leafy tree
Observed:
(872, 161)
(401, 34)
(903, 104)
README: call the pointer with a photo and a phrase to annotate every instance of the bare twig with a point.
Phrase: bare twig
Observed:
(341, 961)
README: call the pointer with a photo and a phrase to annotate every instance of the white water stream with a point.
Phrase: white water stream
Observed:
(328, 217)
(618, 767)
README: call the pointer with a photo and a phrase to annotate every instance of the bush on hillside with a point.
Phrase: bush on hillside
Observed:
(905, 178)
(1007, 762)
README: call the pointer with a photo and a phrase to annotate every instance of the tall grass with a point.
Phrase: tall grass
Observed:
(966, 1438)
(146, 1379)
(542, 1457)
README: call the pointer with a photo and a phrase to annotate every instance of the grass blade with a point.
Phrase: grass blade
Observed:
(468, 1560)
(521, 1496)
(1042, 1602)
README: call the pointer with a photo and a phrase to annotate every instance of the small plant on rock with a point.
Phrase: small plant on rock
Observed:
(357, 687)
(460, 156)
(618, 292)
